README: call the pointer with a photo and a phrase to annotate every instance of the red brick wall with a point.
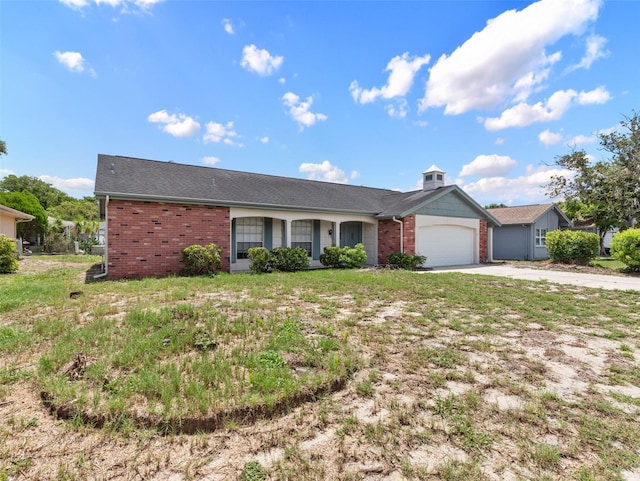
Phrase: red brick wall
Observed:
(409, 234)
(389, 237)
(147, 238)
(484, 241)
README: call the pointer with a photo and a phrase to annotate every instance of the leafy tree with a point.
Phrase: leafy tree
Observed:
(28, 203)
(495, 206)
(3, 148)
(47, 195)
(76, 209)
(608, 190)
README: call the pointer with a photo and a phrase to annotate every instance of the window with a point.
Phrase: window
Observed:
(541, 237)
(302, 234)
(248, 234)
(439, 177)
(428, 177)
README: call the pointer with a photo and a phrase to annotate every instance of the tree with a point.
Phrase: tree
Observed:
(608, 190)
(495, 206)
(76, 209)
(47, 195)
(3, 148)
(28, 203)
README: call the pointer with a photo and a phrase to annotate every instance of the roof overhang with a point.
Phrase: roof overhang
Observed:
(16, 214)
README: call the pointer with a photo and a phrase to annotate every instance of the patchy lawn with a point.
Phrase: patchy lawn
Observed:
(346, 375)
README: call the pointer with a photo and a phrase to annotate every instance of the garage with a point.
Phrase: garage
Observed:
(447, 245)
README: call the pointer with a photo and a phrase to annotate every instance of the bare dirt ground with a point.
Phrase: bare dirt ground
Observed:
(394, 431)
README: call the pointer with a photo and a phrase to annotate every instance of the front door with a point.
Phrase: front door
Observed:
(350, 234)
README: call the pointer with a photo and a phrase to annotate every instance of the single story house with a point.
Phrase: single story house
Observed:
(522, 234)
(153, 210)
(9, 220)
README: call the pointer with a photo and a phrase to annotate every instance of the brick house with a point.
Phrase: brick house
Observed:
(155, 209)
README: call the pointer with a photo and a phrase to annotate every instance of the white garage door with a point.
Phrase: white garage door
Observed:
(447, 245)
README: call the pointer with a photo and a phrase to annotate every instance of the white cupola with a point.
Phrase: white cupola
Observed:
(432, 178)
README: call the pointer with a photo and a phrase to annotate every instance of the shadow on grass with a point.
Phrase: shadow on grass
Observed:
(191, 424)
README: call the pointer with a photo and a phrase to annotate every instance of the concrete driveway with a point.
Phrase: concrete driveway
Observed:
(598, 281)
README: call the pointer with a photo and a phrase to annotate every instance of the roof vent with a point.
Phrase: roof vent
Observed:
(432, 178)
(112, 168)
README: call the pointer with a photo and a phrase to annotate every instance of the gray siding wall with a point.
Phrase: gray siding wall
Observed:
(449, 206)
(547, 221)
(513, 242)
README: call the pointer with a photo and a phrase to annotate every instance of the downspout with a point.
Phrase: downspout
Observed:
(401, 233)
(105, 255)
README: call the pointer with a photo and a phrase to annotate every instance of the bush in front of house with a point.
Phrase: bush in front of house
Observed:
(572, 247)
(341, 257)
(405, 261)
(289, 259)
(625, 247)
(258, 259)
(201, 260)
(8, 255)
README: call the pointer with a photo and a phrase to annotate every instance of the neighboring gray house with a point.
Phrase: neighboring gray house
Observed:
(523, 233)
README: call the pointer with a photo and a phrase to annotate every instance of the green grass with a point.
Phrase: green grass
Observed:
(428, 351)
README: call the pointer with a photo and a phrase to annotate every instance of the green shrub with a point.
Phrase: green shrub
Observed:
(405, 261)
(258, 259)
(339, 257)
(289, 259)
(201, 260)
(572, 247)
(625, 247)
(8, 255)
(353, 256)
(330, 256)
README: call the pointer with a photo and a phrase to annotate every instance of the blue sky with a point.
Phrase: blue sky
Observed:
(366, 93)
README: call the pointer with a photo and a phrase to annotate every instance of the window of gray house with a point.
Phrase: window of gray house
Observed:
(302, 234)
(249, 233)
(541, 237)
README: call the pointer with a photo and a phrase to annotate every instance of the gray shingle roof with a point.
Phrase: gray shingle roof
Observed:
(126, 177)
(524, 214)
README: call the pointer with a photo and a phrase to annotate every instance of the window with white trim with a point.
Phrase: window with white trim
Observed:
(302, 234)
(249, 233)
(541, 237)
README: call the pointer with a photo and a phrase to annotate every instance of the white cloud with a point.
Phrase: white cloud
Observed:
(74, 61)
(421, 123)
(488, 165)
(548, 138)
(78, 184)
(264, 140)
(326, 172)
(282, 80)
(354, 174)
(553, 108)
(397, 110)
(300, 110)
(260, 60)
(210, 160)
(507, 59)
(74, 3)
(5, 172)
(580, 140)
(142, 5)
(180, 125)
(402, 68)
(499, 141)
(228, 26)
(217, 132)
(526, 188)
(594, 50)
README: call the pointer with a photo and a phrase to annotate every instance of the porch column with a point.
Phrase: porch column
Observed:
(288, 233)
(336, 234)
